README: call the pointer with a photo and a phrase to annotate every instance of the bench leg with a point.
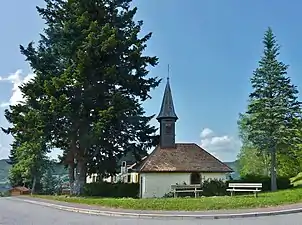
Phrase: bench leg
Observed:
(231, 193)
(256, 194)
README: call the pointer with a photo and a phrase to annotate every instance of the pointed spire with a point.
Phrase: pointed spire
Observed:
(167, 108)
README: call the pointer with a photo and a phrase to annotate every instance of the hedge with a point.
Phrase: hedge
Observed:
(217, 187)
(282, 182)
(114, 190)
(210, 187)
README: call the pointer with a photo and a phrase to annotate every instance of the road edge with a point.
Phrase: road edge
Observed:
(162, 216)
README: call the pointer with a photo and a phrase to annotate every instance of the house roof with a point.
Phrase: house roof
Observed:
(20, 188)
(185, 157)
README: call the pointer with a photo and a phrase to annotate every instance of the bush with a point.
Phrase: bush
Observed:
(214, 187)
(115, 190)
(282, 182)
(168, 195)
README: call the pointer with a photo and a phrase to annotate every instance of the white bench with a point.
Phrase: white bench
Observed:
(190, 188)
(245, 187)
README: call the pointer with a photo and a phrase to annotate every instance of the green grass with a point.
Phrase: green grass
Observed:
(191, 204)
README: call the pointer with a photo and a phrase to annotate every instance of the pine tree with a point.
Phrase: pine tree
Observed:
(91, 79)
(273, 111)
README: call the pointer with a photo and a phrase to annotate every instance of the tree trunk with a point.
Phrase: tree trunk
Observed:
(273, 171)
(71, 177)
(33, 185)
(80, 178)
(71, 165)
(267, 164)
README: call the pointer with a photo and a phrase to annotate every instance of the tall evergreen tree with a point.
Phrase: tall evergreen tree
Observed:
(91, 81)
(273, 111)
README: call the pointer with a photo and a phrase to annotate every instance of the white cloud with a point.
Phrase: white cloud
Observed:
(17, 80)
(206, 133)
(223, 147)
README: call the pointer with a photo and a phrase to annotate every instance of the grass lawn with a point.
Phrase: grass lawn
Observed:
(191, 204)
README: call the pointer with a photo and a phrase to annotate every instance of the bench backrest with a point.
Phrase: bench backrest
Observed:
(245, 185)
(190, 186)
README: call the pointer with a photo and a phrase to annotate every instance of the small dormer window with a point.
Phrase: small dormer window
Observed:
(124, 164)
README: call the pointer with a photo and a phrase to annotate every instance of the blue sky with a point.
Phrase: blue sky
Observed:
(212, 47)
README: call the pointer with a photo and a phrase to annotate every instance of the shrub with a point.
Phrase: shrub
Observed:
(214, 187)
(168, 195)
(114, 190)
(282, 182)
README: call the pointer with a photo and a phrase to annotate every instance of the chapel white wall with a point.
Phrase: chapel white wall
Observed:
(156, 185)
(159, 184)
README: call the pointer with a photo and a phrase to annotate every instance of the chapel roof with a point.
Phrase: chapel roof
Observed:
(185, 157)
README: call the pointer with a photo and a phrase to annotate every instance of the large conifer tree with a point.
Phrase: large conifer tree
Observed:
(91, 79)
(273, 111)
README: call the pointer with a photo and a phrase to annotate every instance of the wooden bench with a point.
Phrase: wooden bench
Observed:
(186, 188)
(245, 187)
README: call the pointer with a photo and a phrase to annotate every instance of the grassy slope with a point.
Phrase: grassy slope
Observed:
(192, 204)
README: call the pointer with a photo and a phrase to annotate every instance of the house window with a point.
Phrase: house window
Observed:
(195, 178)
(124, 164)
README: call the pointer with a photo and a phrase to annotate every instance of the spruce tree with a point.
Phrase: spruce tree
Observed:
(274, 110)
(91, 79)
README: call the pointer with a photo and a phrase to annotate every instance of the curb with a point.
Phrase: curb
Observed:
(163, 216)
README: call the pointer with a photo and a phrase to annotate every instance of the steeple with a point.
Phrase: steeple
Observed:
(167, 118)
(167, 107)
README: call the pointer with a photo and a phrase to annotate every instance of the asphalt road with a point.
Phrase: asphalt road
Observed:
(16, 212)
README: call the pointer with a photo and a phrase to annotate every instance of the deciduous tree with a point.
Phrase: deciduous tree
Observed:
(29, 149)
